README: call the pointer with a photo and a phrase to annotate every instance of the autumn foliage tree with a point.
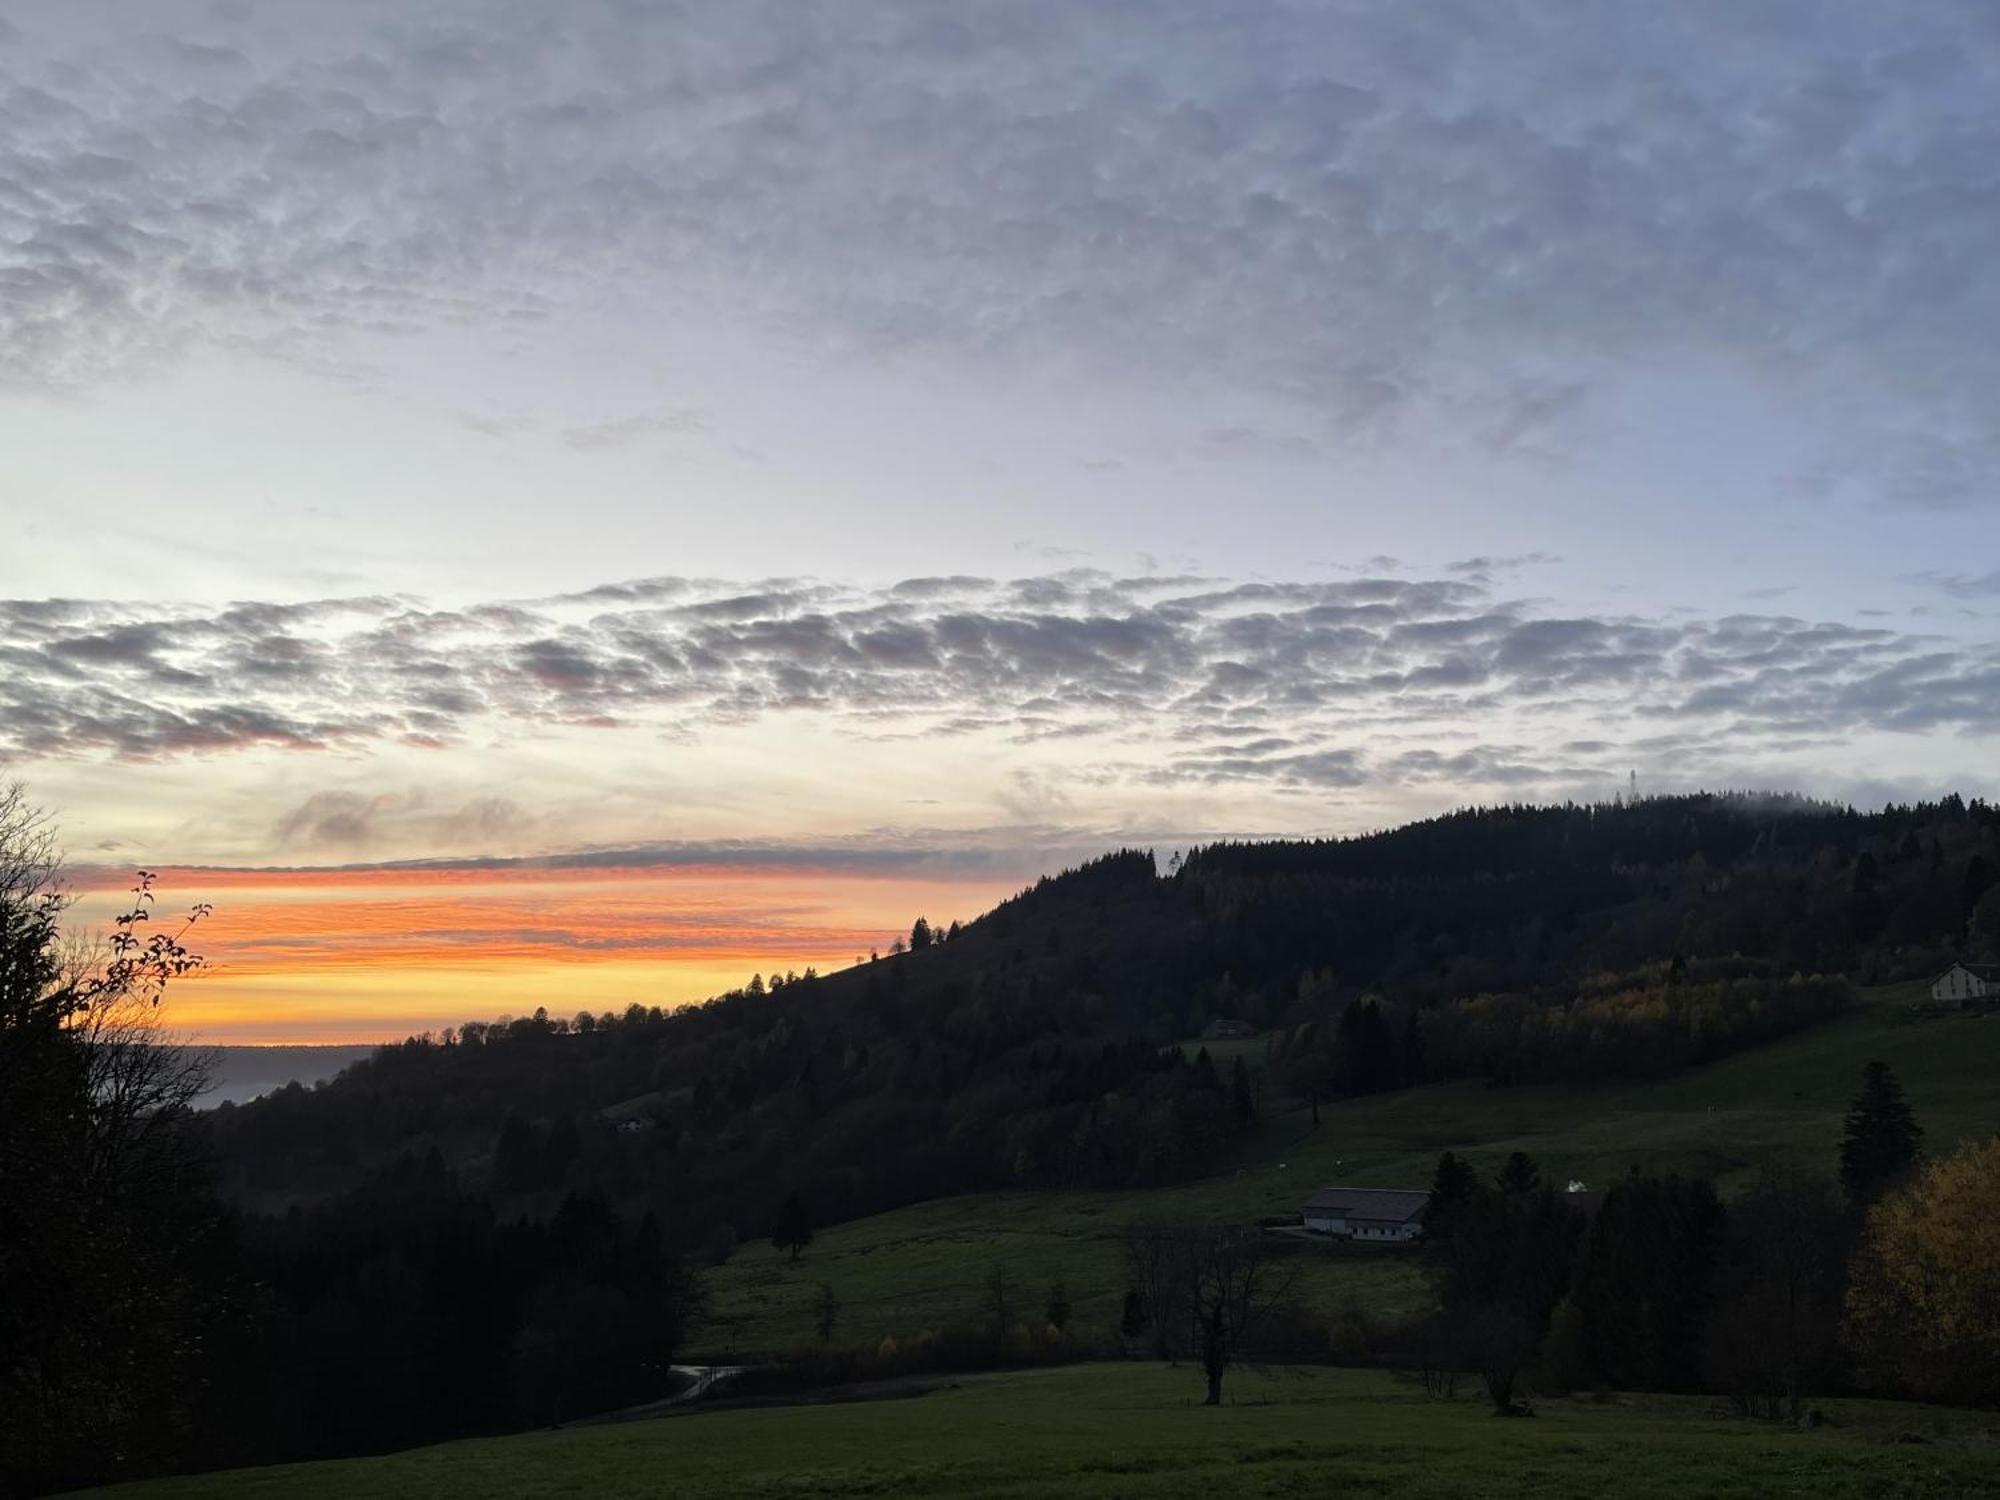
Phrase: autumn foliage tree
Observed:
(1924, 1296)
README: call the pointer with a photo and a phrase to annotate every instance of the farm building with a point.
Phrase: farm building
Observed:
(1223, 1030)
(1379, 1215)
(1963, 982)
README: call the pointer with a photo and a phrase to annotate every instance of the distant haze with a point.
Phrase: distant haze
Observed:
(245, 1073)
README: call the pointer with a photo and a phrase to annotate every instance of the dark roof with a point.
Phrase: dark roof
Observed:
(1978, 971)
(1376, 1205)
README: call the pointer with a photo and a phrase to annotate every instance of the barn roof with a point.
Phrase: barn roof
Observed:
(1376, 1205)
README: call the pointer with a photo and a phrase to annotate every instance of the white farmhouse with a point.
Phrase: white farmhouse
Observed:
(1962, 982)
(1392, 1216)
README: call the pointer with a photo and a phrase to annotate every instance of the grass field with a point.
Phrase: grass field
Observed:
(923, 1266)
(1131, 1430)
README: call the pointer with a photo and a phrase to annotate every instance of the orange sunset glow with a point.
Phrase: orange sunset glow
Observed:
(373, 955)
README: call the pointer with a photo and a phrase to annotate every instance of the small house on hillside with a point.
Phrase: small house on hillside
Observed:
(1963, 982)
(1224, 1030)
(1393, 1216)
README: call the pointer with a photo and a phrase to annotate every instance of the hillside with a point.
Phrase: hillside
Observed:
(923, 1266)
(1025, 1049)
(517, 1218)
(1128, 1430)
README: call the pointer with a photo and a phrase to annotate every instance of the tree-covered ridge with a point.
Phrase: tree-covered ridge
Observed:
(1028, 1047)
(1521, 898)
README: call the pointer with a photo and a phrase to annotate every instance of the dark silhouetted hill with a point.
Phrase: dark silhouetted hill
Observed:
(1030, 1046)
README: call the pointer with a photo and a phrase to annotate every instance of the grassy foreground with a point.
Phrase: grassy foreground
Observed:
(923, 1266)
(1129, 1430)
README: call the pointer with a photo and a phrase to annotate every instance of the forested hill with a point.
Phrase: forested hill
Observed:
(1028, 1047)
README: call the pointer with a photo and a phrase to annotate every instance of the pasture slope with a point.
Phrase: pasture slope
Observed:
(924, 1266)
(1132, 1430)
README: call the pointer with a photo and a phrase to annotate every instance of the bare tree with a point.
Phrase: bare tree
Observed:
(996, 1300)
(29, 860)
(1216, 1282)
(1498, 1342)
(1436, 1346)
(1154, 1271)
(826, 1312)
(142, 1080)
(1232, 1285)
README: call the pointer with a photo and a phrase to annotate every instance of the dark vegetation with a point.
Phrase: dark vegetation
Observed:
(107, 1232)
(408, 1309)
(1792, 1290)
(499, 1226)
(1027, 1048)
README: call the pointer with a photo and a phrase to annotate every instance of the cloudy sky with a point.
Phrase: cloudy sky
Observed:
(715, 480)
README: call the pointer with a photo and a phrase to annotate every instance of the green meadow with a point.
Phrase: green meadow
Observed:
(1133, 1430)
(924, 1266)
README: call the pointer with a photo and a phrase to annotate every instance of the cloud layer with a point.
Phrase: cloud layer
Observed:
(1135, 681)
(1373, 211)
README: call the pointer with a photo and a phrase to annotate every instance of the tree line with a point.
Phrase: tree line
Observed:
(409, 1311)
(1799, 1287)
(1648, 1023)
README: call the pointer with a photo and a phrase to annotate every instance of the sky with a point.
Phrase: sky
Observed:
(571, 505)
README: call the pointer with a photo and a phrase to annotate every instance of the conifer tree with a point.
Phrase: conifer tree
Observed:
(1205, 1076)
(1243, 1100)
(1413, 1049)
(564, 1146)
(516, 1156)
(1520, 1176)
(794, 1231)
(1645, 1279)
(1452, 1187)
(1883, 1139)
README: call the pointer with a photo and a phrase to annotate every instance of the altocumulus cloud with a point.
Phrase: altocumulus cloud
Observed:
(1371, 208)
(1295, 685)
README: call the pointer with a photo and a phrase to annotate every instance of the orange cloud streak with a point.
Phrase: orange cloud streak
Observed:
(367, 955)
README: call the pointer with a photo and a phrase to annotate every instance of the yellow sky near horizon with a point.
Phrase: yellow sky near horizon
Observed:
(372, 955)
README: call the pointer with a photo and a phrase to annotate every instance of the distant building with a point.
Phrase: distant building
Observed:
(1962, 982)
(1224, 1031)
(1393, 1216)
